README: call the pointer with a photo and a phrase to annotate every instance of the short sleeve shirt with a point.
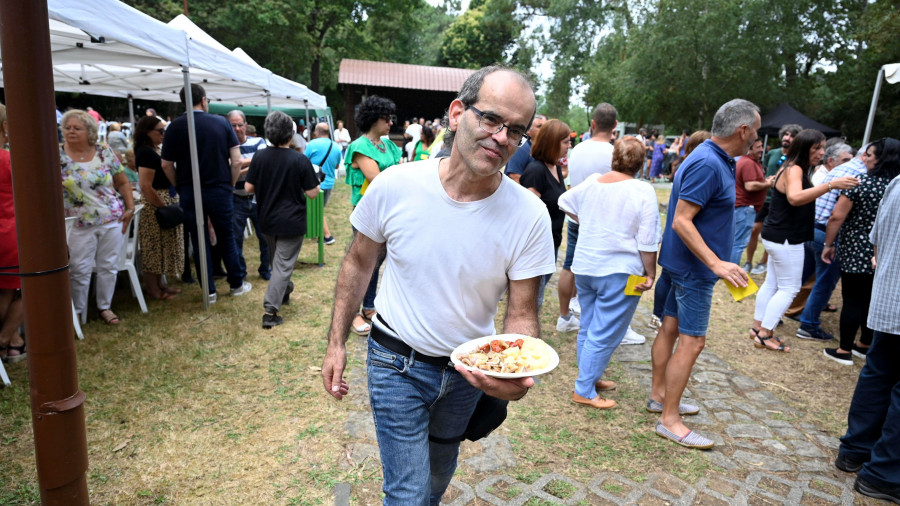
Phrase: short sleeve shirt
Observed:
(88, 191)
(316, 151)
(855, 252)
(355, 177)
(148, 158)
(280, 177)
(519, 160)
(883, 314)
(215, 138)
(748, 169)
(706, 178)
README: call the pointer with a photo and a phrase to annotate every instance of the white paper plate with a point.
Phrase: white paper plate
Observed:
(470, 346)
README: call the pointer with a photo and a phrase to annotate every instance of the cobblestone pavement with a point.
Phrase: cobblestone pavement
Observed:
(744, 419)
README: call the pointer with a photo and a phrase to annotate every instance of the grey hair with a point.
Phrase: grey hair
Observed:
(468, 94)
(836, 149)
(279, 128)
(237, 111)
(793, 128)
(732, 115)
(85, 118)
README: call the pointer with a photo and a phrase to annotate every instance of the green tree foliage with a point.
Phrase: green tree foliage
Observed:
(482, 35)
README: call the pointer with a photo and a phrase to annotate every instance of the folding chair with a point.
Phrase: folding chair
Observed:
(127, 259)
(70, 222)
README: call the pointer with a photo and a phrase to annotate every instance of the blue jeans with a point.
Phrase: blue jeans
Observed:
(873, 434)
(218, 206)
(827, 276)
(245, 208)
(410, 401)
(571, 242)
(605, 314)
(690, 300)
(744, 217)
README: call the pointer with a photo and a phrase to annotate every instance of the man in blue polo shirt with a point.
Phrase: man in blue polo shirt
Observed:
(695, 251)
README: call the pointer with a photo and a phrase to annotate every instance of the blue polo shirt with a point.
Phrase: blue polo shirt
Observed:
(519, 160)
(706, 178)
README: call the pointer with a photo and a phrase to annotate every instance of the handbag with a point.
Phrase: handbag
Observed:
(490, 412)
(169, 216)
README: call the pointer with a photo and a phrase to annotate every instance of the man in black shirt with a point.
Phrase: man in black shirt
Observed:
(219, 159)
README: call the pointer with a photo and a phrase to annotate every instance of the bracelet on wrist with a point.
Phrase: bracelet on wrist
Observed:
(829, 245)
(829, 186)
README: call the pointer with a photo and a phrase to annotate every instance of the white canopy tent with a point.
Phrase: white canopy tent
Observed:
(105, 47)
(891, 74)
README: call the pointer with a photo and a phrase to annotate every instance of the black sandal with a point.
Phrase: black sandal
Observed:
(762, 343)
(364, 314)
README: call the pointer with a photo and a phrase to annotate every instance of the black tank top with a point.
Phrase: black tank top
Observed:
(786, 222)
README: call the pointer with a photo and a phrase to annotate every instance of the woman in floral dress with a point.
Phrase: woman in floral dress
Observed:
(91, 176)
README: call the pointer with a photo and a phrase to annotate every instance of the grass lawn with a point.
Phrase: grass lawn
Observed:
(191, 407)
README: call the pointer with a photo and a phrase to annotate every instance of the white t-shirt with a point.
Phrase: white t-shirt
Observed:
(342, 137)
(448, 263)
(616, 222)
(818, 176)
(589, 157)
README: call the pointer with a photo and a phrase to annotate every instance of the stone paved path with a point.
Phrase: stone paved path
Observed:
(742, 417)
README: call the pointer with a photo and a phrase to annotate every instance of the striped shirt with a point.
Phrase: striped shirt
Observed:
(825, 204)
(885, 235)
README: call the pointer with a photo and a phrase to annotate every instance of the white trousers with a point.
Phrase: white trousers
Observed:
(93, 247)
(783, 280)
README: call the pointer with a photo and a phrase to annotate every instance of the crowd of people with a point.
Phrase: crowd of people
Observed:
(823, 212)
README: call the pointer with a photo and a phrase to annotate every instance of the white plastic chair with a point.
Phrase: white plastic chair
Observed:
(127, 258)
(70, 222)
(3, 376)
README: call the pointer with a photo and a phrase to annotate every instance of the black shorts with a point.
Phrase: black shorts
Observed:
(763, 212)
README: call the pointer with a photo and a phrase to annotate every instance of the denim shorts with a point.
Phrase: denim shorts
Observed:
(327, 197)
(689, 301)
(571, 241)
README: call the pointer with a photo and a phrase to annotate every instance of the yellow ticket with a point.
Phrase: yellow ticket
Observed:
(739, 293)
(632, 282)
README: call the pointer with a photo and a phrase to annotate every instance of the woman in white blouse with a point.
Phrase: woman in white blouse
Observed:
(618, 236)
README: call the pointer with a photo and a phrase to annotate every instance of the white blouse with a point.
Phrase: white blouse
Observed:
(616, 222)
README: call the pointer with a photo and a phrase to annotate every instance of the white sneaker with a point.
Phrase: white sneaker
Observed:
(747, 266)
(244, 288)
(759, 269)
(212, 298)
(655, 322)
(574, 306)
(564, 325)
(632, 337)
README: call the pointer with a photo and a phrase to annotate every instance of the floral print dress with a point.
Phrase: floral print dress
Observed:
(88, 190)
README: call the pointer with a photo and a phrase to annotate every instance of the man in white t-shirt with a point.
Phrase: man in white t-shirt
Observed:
(413, 133)
(446, 270)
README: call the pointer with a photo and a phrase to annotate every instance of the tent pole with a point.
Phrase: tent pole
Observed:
(766, 143)
(131, 114)
(306, 109)
(871, 120)
(195, 180)
(57, 404)
(268, 103)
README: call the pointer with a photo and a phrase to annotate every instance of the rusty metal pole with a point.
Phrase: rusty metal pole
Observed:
(57, 411)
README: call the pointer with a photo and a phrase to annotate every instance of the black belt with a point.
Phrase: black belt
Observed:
(399, 347)
(245, 197)
(820, 226)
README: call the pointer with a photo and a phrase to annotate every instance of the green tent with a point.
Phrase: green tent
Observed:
(258, 110)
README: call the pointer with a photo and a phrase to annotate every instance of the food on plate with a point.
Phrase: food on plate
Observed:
(518, 356)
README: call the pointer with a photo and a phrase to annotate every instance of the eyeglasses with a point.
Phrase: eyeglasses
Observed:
(159, 130)
(238, 125)
(390, 119)
(492, 125)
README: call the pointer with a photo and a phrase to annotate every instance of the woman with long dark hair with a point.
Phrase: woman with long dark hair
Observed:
(787, 227)
(850, 223)
(366, 157)
(162, 251)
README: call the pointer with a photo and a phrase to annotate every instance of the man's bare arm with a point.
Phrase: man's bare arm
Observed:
(683, 225)
(235, 155)
(169, 169)
(356, 269)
